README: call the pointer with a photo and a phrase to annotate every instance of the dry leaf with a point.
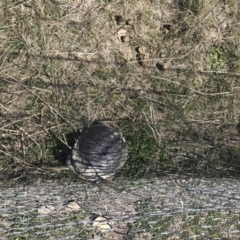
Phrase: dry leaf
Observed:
(122, 33)
(141, 50)
(72, 207)
(45, 209)
(102, 224)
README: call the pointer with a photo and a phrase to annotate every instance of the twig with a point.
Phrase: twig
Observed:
(21, 129)
(17, 121)
(20, 4)
(164, 58)
(44, 130)
(193, 90)
(18, 159)
(45, 103)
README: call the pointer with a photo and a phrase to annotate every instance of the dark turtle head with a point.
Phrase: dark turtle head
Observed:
(98, 153)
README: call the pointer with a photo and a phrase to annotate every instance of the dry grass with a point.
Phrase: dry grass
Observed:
(165, 72)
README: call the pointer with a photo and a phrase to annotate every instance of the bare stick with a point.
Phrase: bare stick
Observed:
(45, 103)
(193, 90)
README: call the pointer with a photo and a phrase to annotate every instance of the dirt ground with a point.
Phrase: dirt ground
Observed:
(165, 72)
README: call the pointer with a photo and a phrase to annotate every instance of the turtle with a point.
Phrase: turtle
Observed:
(99, 152)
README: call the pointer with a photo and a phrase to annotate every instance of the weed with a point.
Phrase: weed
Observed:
(220, 56)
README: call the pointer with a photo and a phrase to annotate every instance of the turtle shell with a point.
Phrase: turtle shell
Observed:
(98, 153)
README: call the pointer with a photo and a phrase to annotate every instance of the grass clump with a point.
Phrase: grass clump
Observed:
(142, 147)
(220, 57)
(195, 7)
